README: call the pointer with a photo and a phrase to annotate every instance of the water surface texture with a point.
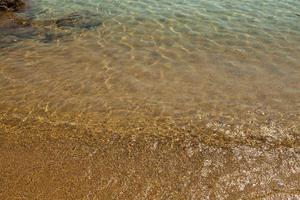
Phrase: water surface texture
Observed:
(160, 99)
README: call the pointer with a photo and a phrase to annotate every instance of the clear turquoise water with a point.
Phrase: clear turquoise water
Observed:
(220, 62)
(182, 57)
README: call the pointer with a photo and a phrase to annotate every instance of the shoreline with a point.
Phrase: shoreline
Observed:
(77, 126)
(65, 163)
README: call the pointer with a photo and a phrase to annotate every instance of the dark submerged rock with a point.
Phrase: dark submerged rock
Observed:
(83, 20)
(11, 5)
(14, 28)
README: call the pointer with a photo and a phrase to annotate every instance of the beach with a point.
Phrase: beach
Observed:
(150, 100)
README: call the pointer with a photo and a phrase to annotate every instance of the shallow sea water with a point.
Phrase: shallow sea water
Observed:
(161, 100)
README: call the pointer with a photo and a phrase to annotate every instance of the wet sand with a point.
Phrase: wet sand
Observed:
(138, 159)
